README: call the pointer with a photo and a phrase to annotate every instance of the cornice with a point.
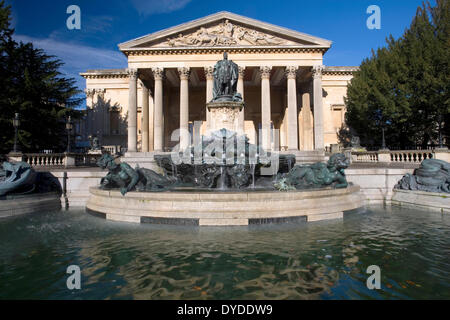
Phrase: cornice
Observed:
(220, 50)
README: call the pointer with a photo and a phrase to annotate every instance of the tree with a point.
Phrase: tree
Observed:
(404, 86)
(32, 86)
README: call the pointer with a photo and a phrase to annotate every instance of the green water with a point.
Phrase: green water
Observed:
(324, 260)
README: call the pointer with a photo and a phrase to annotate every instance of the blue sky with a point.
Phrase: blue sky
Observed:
(104, 24)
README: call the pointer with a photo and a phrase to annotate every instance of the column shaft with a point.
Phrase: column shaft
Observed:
(132, 111)
(145, 117)
(158, 113)
(184, 108)
(265, 108)
(209, 94)
(318, 109)
(292, 119)
(307, 126)
(240, 89)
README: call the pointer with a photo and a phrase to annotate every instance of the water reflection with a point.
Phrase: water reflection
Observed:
(324, 260)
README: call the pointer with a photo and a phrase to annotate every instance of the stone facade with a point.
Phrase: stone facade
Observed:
(169, 81)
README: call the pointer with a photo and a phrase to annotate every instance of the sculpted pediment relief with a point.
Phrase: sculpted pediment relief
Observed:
(224, 29)
(224, 34)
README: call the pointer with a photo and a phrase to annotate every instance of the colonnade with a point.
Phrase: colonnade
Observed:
(184, 74)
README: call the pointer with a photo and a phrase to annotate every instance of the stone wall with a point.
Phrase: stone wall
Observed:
(376, 183)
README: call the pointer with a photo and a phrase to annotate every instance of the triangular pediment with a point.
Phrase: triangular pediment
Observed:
(224, 29)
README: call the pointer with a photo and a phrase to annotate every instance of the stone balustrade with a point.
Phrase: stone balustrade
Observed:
(60, 159)
(86, 159)
(44, 159)
(399, 156)
(410, 156)
(369, 156)
(113, 149)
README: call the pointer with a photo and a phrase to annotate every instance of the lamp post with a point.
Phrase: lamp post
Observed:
(441, 144)
(69, 126)
(16, 124)
(383, 141)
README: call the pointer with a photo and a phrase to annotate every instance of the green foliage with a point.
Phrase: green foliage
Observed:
(405, 85)
(32, 86)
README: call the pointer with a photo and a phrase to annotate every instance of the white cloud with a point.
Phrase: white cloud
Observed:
(77, 58)
(149, 7)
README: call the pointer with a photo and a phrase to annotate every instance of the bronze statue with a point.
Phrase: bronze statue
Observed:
(127, 179)
(226, 74)
(316, 175)
(20, 179)
(17, 178)
(432, 176)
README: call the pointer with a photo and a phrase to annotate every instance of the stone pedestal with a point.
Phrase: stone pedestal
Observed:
(94, 151)
(69, 159)
(442, 154)
(224, 114)
(384, 155)
(15, 156)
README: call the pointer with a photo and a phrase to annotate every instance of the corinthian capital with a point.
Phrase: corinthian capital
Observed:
(89, 93)
(317, 71)
(184, 73)
(132, 73)
(241, 72)
(291, 72)
(209, 73)
(158, 73)
(265, 72)
(100, 92)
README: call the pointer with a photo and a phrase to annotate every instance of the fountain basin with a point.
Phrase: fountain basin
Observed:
(13, 205)
(215, 208)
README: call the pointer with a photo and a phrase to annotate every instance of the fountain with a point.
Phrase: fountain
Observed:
(23, 190)
(223, 179)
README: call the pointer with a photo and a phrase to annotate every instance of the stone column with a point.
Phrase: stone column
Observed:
(184, 107)
(145, 117)
(307, 126)
(318, 108)
(292, 120)
(240, 89)
(158, 125)
(132, 110)
(89, 110)
(209, 93)
(265, 107)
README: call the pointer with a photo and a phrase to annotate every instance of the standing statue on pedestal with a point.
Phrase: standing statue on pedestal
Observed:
(226, 74)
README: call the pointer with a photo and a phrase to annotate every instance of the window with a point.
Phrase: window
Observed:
(338, 115)
(114, 121)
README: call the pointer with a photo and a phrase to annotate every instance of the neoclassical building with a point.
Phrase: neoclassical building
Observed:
(169, 80)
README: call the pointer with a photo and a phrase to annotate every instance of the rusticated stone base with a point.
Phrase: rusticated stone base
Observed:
(224, 208)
